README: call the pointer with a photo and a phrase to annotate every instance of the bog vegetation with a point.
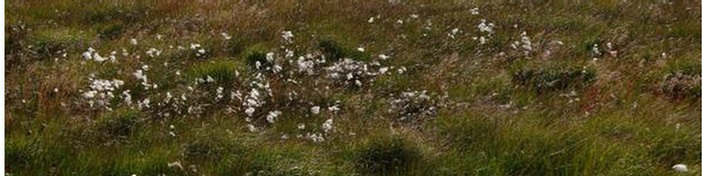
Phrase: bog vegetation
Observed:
(395, 87)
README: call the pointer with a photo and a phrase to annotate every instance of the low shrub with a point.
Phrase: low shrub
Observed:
(681, 79)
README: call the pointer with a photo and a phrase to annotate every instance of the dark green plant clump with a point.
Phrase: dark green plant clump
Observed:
(542, 80)
(386, 156)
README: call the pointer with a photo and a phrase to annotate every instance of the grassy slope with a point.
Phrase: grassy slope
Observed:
(622, 122)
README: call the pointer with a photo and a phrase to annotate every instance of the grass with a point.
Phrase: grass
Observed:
(386, 156)
(224, 72)
(489, 109)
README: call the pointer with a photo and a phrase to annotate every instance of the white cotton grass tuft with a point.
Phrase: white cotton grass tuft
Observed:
(453, 33)
(153, 52)
(226, 36)
(680, 167)
(315, 109)
(474, 11)
(486, 27)
(271, 117)
(287, 36)
(596, 50)
(249, 111)
(92, 54)
(526, 42)
(383, 56)
(101, 92)
(334, 108)
(316, 138)
(251, 128)
(327, 125)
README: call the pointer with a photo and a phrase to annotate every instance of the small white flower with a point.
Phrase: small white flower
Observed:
(301, 126)
(133, 41)
(680, 167)
(371, 20)
(361, 49)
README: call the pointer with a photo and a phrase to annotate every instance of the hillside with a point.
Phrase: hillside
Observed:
(399, 87)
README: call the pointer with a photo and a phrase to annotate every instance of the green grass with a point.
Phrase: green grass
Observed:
(224, 72)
